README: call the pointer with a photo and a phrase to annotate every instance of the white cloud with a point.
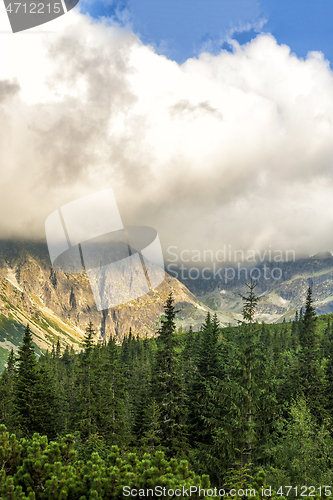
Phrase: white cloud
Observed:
(214, 44)
(229, 149)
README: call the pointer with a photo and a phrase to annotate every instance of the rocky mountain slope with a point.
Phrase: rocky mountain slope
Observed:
(60, 305)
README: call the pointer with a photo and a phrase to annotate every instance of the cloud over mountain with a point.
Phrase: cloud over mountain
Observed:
(228, 149)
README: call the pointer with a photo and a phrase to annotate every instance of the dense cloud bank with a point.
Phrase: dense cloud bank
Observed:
(231, 149)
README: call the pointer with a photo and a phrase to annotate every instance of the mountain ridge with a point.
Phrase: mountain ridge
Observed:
(60, 305)
(280, 298)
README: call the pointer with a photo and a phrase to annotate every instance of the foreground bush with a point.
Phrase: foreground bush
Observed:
(36, 469)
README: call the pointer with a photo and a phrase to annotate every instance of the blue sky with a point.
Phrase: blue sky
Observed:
(180, 29)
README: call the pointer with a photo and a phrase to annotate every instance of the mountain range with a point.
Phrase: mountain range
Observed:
(59, 305)
(279, 297)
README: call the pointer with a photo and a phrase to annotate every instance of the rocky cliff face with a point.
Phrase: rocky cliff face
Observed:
(60, 305)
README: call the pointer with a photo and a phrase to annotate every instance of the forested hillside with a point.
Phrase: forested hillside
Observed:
(246, 405)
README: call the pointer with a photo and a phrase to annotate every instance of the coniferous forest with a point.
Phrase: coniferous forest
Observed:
(247, 407)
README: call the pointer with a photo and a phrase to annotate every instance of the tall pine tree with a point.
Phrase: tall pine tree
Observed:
(168, 385)
(250, 337)
(34, 396)
(311, 383)
(7, 386)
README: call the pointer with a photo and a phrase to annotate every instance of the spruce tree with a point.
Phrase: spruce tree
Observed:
(300, 322)
(114, 417)
(189, 358)
(328, 354)
(58, 350)
(45, 403)
(89, 339)
(34, 399)
(145, 410)
(168, 385)
(211, 399)
(85, 380)
(26, 384)
(249, 342)
(209, 360)
(208, 369)
(329, 378)
(326, 343)
(311, 384)
(68, 400)
(294, 332)
(7, 386)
